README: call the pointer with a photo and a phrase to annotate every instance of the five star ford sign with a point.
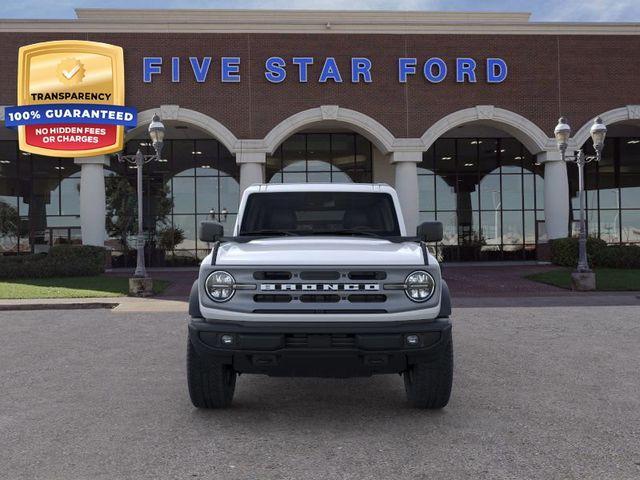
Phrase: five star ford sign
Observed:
(71, 99)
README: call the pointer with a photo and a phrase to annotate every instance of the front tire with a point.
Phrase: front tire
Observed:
(428, 384)
(211, 384)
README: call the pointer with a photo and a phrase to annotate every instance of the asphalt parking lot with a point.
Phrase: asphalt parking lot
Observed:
(538, 393)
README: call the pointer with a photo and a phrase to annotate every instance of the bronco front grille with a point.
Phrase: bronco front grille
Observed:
(327, 289)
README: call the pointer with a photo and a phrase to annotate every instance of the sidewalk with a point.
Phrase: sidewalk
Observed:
(117, 304)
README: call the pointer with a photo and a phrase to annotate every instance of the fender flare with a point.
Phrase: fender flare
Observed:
(194, 301)
(445, 301)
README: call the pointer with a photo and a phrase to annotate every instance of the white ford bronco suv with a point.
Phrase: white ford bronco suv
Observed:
(319, 280)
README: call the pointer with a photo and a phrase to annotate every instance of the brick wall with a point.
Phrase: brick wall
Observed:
(578, 76)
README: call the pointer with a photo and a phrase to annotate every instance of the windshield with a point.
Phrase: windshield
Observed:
(320, 213)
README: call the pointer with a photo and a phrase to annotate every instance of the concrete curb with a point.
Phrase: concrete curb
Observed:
(180, 305)
(57, 306)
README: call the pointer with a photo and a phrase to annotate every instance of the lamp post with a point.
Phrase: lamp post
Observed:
(156, 133)
(562, 133)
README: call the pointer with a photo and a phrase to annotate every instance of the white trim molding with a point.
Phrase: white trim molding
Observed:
(312, 21)
(373, 130)
(622, 114)
(531, 136)
(185, 115)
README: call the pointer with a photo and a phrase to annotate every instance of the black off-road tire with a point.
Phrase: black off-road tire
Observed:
(428, 384)
(212, 383)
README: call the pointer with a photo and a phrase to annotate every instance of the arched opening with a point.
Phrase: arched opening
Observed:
(612, 186)
(322, 154)
(328, 144)
(485, 187)
(39, 199)
(197, 179)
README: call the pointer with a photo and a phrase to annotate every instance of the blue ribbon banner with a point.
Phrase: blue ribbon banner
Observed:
(70, 113)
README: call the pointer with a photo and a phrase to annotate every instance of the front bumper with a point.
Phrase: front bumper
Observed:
(320, 349)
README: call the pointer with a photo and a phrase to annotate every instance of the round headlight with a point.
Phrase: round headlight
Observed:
(419, 286)
(220, 286)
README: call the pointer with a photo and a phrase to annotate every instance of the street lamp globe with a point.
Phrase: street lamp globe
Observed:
(156, 133)
(562, 133)
(598, 132)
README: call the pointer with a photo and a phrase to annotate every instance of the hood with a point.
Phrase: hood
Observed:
(320, 251)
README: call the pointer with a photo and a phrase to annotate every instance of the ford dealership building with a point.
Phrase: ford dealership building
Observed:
(455, 110)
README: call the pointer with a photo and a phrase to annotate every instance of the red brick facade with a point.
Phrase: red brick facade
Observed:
(578, 76)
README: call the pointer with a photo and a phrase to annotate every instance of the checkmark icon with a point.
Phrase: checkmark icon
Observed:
(71, 73)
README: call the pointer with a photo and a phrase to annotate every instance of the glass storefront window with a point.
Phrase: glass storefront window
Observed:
(182, 158)
(530, 228)
(318, 152)
(183, 190)
(630, 190)
(198, 179)
(529, 191)
(511, 155)
(512, 229)
(450, 227)
(321, 157)
(8, 159)
(487, 159)
(512, 192)
(70, 195)
(294, 154)
(630, 225)
(427, 193)
(609, 225)
(612, 191)
(445, 195)
(488, 193)
(445, 156)
(207, 192)
(491, 226)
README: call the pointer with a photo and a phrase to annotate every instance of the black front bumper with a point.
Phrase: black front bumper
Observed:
(320, 349)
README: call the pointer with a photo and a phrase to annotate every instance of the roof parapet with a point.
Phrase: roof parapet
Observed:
(297, 16)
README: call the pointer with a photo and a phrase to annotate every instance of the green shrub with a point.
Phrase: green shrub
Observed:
(564, 252)
(61, 261)
(618, 256)
(169, 237)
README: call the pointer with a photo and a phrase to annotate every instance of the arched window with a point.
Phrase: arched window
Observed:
(321, 157)
(196, 180)
(487, 192)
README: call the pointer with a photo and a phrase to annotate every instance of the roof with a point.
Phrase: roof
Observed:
(310, 21)
(321, 187)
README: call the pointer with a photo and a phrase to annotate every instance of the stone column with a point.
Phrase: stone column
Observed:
(556, 194)
(251, 168)
(406, 184)
(92, 199)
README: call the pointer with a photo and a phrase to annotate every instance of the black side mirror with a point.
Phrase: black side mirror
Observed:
(430, 231)
(210, 231)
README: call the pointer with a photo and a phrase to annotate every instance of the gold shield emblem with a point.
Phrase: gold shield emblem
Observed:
(71, 72)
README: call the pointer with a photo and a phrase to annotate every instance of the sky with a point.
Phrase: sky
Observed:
(542, 10)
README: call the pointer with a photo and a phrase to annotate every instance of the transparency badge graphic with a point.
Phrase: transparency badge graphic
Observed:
(70, 99)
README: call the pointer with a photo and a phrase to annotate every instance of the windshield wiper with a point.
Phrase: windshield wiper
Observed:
(348, 231)
(286, 233)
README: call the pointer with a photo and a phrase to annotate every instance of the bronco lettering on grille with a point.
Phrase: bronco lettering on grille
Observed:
(324, 287)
